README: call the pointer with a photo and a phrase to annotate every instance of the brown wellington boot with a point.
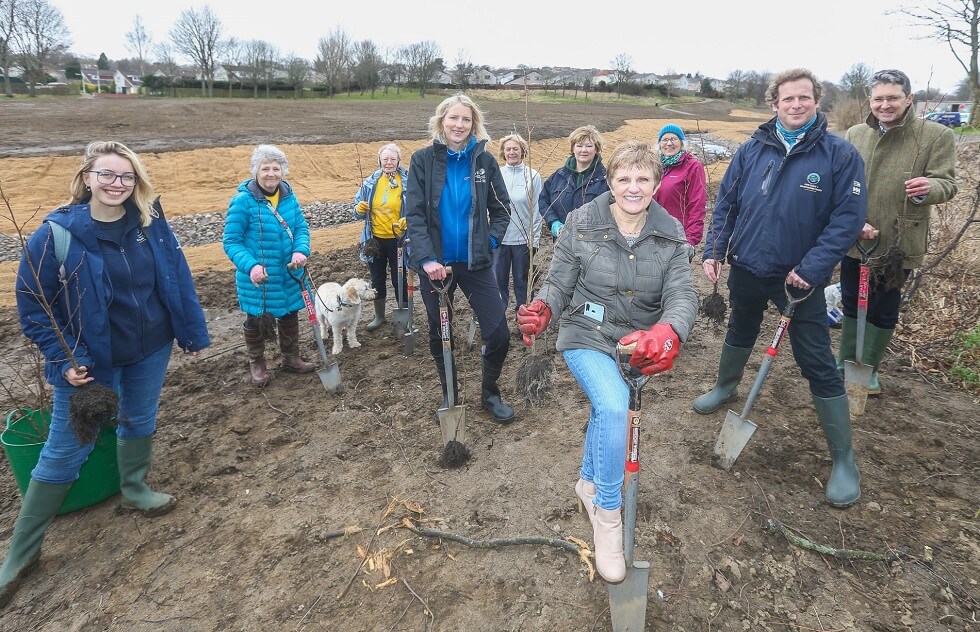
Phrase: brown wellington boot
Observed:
(255, 349)
(289, 345)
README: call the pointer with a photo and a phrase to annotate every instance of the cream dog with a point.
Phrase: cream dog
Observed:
(339, 307)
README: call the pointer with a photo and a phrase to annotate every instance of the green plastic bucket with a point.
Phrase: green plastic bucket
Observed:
(22, 440)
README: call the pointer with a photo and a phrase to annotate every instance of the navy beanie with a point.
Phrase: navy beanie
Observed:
(671, 128)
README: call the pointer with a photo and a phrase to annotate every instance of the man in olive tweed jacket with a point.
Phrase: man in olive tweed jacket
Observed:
(909, 167)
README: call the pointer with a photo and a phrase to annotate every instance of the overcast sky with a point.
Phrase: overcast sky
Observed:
(828, 37)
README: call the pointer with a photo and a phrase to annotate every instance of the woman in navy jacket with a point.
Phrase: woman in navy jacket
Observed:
(458, 211)
(579, 181)
(121, 296)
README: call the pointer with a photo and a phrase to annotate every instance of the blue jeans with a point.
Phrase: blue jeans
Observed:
(507, 258)
(138, 384)
(604, 456)
(808, 332)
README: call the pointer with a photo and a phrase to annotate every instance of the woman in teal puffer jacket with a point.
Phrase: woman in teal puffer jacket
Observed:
(268, 240)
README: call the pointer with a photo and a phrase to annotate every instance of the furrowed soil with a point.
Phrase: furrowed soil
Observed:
(266, 477)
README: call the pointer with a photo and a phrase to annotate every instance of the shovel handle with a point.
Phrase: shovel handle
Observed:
(866, 252)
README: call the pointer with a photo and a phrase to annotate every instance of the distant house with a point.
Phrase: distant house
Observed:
(647, 79)
(94, 79)
(604, 76)
(483, 77)
(126, 84)
(520, 78)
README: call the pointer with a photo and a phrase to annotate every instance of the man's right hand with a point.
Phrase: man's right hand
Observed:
(869, 232)
(363, 207)
(712, 269)
(556, 227)
(533, 319)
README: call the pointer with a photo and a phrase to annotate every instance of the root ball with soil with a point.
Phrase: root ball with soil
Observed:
(714, 307)
(454, 455)
(91, 407)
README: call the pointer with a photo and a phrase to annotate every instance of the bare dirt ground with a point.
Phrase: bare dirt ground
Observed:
(265, 476)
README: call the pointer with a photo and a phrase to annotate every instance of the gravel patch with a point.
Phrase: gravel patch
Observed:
(208, 228)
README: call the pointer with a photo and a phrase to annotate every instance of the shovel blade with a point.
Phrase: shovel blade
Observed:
(452, 424)
(735, 434)
(628, 599)
(408, 343)
(330, 377)
(400, 317)
(857, 381)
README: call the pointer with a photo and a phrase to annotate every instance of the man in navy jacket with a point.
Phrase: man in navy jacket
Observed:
(790, 205)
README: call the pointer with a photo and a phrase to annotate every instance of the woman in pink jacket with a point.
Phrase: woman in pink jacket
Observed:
(682, 191)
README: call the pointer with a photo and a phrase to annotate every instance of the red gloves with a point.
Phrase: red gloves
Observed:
(533, 319)
(655, 350)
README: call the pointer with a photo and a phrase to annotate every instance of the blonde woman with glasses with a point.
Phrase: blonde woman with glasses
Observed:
(125, 296)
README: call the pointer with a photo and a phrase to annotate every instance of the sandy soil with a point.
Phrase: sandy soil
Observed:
(265, 476)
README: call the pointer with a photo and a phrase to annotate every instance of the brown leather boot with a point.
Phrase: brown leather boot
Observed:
(289, 345)
(255, 349)
(607, 531)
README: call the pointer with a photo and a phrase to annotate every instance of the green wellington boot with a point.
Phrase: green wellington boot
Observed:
(844, 486)
(134, 457)
(876, 342)
(379, 315)
(730, 370)
(41, 504)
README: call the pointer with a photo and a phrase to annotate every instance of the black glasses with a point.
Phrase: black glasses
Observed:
(109, 177)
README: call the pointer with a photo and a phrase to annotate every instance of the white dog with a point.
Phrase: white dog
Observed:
(339, 307)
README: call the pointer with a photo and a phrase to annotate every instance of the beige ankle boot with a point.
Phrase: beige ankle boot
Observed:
(607, 527)
(585, 490)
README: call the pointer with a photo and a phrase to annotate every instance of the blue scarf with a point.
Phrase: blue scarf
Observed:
(795, 135)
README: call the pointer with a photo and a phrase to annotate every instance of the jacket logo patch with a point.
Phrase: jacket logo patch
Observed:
(480, 176)
(140, 237)
(856, 188)
(812, 183)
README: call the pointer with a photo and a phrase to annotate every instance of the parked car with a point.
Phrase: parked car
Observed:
(949, 119)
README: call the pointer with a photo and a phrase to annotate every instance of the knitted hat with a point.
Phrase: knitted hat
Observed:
(671, 128)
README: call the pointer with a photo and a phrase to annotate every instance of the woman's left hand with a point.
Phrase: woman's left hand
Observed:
(298, 261)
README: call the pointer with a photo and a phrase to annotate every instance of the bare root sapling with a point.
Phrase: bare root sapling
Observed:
(92, 405)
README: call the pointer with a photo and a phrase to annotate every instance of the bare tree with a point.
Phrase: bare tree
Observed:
(856, 82)
(197, 35)
(623, 66)
(41, 34)
(333, 58)
(669, 82)
(956, 22)
(8, 28)
(167, 65)
(253, 59)
(367, 68)
(462, 69)
(271, 61)
(735, 85)
(392, 68)
(298, 72)
(422, 62)
(755, 86)
(138, 42)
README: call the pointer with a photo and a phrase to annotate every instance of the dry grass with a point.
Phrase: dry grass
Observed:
(940, 320)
